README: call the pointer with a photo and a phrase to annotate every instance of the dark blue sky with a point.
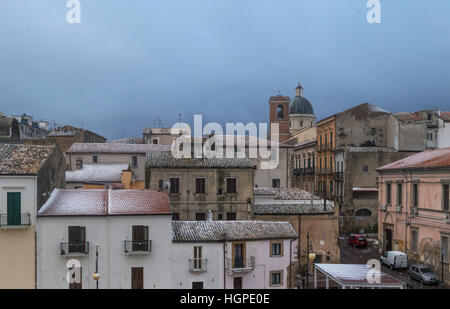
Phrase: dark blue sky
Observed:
(130, 61)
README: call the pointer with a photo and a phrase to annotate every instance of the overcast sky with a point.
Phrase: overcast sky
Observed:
(130, 61)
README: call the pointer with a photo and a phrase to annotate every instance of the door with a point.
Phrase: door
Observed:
(137, 277)
(238, 256)
(14, 208)
(237, 283)
(140, 238)
(388, 240)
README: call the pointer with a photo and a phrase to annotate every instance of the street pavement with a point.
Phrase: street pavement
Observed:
(350, 255)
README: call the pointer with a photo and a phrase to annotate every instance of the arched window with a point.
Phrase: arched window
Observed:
(280, 112)
(363, 213)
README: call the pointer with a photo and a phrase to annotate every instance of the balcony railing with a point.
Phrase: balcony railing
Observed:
(198, 265)
(296, 171)
(15, 220)
(239, 264)
(79, 248)
(138, 246)
(338, 175)
(303, 171)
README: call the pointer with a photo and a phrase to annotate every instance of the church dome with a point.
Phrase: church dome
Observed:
(299, 104)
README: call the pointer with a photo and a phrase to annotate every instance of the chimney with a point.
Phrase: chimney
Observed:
(209, 215)
(125, 179)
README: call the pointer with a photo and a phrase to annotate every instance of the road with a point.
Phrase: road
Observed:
(350, 255)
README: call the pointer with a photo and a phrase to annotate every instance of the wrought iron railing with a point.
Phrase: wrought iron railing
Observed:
(68, 248)
(135, 246)
(23, 219)
(239, 264)
(198, 265)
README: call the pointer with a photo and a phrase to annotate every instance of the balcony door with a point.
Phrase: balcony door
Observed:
(239, 255)
(77, 239)
(198, 257)
(140, 238)
(14, 208)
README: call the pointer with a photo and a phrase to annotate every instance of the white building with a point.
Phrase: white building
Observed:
(130, 228)
(231, 254)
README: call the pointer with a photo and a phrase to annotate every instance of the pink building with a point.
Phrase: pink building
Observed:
(413, 211)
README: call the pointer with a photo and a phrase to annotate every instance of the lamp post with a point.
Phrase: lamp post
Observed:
(96, 275)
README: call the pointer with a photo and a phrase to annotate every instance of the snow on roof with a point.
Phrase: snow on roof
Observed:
(425, 159)
(102, 202)
(365, 189)
(115, 148)
(356, 275)
(285, 193)
(91, 173)
(292, 207)
(216, 231)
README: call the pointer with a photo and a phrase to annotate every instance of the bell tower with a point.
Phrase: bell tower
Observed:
(279, 113)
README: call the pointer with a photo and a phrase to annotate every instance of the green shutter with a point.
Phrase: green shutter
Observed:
(14, 208)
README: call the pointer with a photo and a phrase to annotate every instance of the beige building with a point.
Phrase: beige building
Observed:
(197, 186)
(109, 153)
(414, 208)
(28, 174)
(317, 224)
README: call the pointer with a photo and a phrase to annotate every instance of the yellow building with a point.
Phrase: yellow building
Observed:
(28, 174)
(326, 144)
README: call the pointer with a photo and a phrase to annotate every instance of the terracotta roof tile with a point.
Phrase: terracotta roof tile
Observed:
(216, 231)
(22, 160)
(101, 202)
(425, 159)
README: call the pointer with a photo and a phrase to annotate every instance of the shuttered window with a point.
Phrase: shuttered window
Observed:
(77, 239)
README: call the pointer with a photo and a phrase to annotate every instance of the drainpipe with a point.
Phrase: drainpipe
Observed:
(224, 261)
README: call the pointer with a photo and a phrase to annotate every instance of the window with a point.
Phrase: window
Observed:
(77, 239)
(231, 216)
(94, 159)
(414, 241)
(446, 197)
(79, 164)
(280, 112)
(161, 184)
(276, 249)
(134, 161)
(200, 185)
(174, 185)
(388, 194)
(276, 278)
(197, 285)
(175, 216)
(200, 216)
(14, 211)
(197, 261)
(415, 197)
(155, 142)
(365, 168)
(399, 194)
(429, 116)
(275, 183)
(331, 187)
(301, 123)
(429, 136)
(363, 213)
(444, 247)
(331, 139)
(231, 185)
(140, 238)
(320, 187)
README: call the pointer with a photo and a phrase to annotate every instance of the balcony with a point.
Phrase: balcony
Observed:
(138, 246)
(15, 221)
(198, 265)
(338, 176)
(74, 249)
(296, 171)
(240, 264)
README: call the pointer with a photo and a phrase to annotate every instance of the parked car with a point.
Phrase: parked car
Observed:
(395, 259)
(423, 273)
(358, 241)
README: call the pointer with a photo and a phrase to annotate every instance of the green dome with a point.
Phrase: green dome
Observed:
(300, 105)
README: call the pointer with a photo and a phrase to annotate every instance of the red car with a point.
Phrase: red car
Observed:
(358, 241)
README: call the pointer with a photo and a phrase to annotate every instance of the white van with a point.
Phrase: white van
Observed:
(395, 259)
